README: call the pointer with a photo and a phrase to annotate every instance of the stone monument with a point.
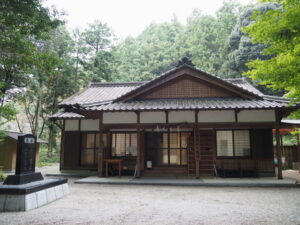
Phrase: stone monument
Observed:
(25, 166)
(27, 189)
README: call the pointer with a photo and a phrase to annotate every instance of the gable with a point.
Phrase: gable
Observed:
(194, 83)
(186, 87)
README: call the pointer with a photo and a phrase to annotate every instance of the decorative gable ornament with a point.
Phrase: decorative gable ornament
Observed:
(185, 61)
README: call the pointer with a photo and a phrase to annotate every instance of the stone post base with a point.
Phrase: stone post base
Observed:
(32, 195)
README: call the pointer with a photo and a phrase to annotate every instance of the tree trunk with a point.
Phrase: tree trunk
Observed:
(50, 141)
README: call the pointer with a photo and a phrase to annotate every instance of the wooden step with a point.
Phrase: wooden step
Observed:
(166, 171)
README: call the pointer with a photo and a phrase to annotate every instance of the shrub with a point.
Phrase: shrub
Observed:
(46, 160)
(2, 176)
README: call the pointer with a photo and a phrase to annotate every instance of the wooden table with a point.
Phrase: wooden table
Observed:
(113, 161)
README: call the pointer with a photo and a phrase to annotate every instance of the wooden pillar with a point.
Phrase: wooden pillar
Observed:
(298, 144)
(281, 146)
(169, 136)
(100, 150)
(62, 146)
(196, 145)
(278, 149)
(138, 155)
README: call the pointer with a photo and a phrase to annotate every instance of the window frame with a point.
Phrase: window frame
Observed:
(233, 145)
(180, 149)
(95, 148)
(111, 144)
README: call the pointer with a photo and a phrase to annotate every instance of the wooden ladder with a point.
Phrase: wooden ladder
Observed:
(206, 153)
(205, 144)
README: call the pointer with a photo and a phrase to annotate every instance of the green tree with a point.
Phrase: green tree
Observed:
(55, 79)
(205, 37)
(159, 47)
(240, 48)
(279, 30)
(22, 25)
(98, 41)
(149, 54)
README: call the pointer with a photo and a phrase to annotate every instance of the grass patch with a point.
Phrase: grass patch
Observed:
(46, 160)
(2, 176)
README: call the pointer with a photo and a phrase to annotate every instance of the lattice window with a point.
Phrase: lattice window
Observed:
(241, 143)
(224, 143)
(89, 147)
(124, 144)
(233, 143)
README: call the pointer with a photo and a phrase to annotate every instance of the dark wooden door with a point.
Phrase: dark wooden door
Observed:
(71, 150)
(206, 146)
(152, 146)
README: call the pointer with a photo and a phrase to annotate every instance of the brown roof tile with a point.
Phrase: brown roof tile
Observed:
(245, 88)
(99, 93)
(14, 135)
(66, 115)
(185, 104)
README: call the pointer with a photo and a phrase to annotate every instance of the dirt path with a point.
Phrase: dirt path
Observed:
(109, 204)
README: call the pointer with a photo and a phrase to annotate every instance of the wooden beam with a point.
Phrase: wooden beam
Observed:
(100, 150)
(168, 129)
(200, 125)
(196, 145)
(138, 156)
(278, 149)
(236, 116)
(281, 144)
(62, 146)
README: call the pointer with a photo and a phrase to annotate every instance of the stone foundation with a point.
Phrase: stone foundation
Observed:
(32, 195)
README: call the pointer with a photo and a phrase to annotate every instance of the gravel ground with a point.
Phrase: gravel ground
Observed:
(124, 204)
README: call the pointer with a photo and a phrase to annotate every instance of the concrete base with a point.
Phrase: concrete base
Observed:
(213, 182)
(32, 195)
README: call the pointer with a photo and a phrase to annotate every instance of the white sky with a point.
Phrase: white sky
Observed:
(130, 17)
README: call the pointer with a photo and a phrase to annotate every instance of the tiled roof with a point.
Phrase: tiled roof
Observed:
(109, 97)
(184, 104)
(243, 88)
(14, 135)
(100, 93)
(66, 115)
(290, 121)
(242, 83)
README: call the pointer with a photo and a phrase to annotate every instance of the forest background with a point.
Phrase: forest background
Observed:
(41, 62)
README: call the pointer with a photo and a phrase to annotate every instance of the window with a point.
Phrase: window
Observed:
(233, 143)
(89, 148)
(241, 143)
(176, 154)
(124, 144)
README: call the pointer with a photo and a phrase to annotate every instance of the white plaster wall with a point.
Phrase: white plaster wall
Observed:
(89, 125)
(213, 116)
(119, 117)
(153, 117)
(181, 116)
(256, 116)
(71, 125)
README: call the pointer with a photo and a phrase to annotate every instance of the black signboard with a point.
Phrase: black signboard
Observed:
(25, 165)
(26, 154)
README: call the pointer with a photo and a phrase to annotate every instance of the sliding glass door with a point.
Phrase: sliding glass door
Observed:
(170, 150)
